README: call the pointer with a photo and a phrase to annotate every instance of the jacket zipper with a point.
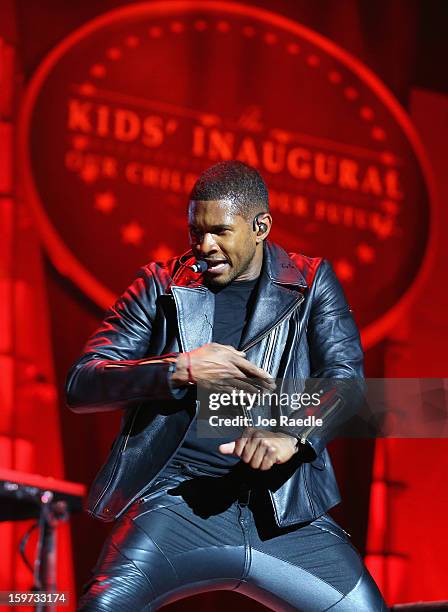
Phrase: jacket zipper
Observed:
(142, 491)
(308, 493)
(330, 411)
(307, 432)
(121, 450)
(265, 366)
(270, 347)
(290, 309)
(126, 440)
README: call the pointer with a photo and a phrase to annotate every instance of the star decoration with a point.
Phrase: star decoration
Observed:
(89, 173)
(98, 70)
(389, 158)
(390, 207)
(87, 89)
(80, 142)
(161, 252)
(365, 253)
(105, 201)
(113, 53)
(383, 228)
(378, 133)
(132, 233)
(344, 270)
(171, 126)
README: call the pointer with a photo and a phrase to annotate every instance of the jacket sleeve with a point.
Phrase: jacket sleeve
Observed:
(336, 358)
(114, 368)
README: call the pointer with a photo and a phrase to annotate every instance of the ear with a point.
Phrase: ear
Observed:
(262, 226)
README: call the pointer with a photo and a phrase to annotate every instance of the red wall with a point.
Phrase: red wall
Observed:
(46, 318)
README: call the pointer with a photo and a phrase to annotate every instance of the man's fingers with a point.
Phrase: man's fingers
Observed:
(250, 448)
(258, 456)
(270, 457)
(258, 452)
(252, 371)
(227, 449)
(233, 349)
(244, 384)
(249, 368)
(240, 445)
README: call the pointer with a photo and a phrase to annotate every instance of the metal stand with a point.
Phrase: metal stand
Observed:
(45, 564)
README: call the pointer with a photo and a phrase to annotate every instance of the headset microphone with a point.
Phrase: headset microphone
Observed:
(199, 266)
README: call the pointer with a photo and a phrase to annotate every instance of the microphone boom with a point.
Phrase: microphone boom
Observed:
(200, 266)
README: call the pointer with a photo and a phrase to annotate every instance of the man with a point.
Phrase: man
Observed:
(247, 513)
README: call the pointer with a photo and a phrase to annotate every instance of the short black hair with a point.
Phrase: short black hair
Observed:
(235, 181)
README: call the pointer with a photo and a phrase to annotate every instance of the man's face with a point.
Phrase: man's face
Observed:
(225, 240)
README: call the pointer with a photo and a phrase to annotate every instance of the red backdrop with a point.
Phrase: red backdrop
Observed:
(377, 233)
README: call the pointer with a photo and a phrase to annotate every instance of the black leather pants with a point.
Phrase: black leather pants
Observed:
(194, 534)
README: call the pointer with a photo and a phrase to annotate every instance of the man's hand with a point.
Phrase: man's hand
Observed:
(261, 449)
(221, 367)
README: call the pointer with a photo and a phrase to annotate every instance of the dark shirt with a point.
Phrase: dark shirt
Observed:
(233, 304)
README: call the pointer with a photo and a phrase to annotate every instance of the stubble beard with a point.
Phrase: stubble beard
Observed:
(215, 283)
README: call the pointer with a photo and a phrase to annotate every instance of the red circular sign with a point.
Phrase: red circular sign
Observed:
(123, 115)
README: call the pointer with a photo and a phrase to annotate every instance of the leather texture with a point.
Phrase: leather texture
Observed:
(190, 535)
(301, 328)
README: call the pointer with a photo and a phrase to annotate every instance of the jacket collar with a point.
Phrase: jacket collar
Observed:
(195, 304)
(274, 298)
(280, 268)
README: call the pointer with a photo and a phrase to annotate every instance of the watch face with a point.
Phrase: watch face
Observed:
(124, 114)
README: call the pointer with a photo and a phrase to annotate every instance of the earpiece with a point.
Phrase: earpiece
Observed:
(259, 226)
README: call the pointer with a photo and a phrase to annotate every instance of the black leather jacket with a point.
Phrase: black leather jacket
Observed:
(301, 326)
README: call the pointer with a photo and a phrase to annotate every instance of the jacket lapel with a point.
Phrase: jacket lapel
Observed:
(195, 311)
(195, 305)
(274, 300)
